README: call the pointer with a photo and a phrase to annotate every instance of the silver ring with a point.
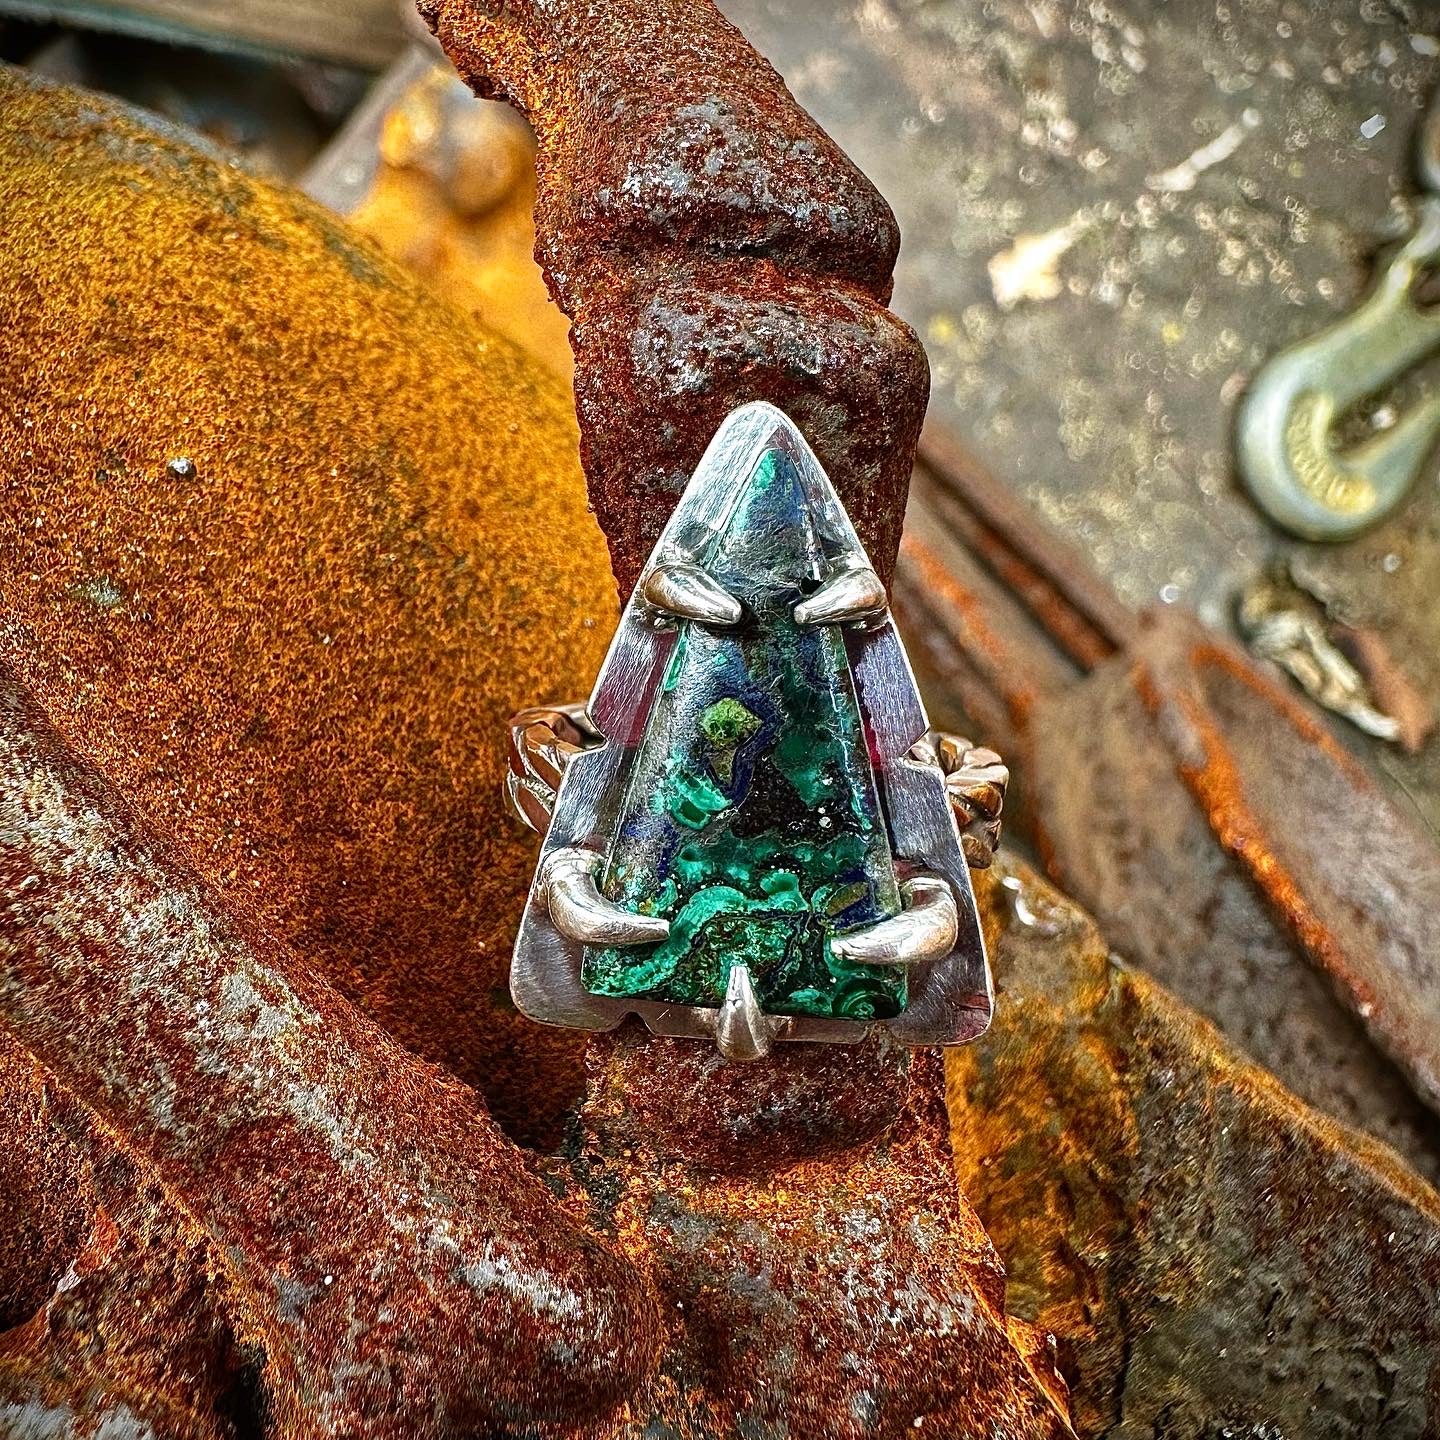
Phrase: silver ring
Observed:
(751, 833)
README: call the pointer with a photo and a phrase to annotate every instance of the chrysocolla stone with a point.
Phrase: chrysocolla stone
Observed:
(751, 819)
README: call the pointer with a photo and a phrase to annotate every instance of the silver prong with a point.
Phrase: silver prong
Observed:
(743, 1031)
(580, 912)
(853, 592)
(684, 590)
(925, 929)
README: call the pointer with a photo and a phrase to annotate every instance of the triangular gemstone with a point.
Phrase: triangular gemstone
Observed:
(751, 818)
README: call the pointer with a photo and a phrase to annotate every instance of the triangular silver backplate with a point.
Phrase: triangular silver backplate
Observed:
(950, 1001)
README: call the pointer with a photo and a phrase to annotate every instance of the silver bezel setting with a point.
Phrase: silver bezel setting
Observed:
(951, 1000)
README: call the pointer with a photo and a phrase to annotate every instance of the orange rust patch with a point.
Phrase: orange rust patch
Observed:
(1214, 779)
(1020, 698)
(299, 658)
(1198, 1240)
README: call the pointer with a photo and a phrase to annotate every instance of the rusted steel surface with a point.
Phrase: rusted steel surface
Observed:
(49, 1198)
(295, 662)
(1212, 1257)
(1176, 902)
(1190, 723)
(710, 245)
(133, 1343)
(403, 1271)
(445, 183)
(274, 683)
(299, 691)
(805, 1226)
(1194, 806)
(301, 657)
(1357, 881)
(1078, 608)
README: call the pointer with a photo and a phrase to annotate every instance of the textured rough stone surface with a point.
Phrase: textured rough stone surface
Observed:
(1212, 1257)
(752, 820)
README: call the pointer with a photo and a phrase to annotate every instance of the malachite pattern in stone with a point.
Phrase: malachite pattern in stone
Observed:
(751, 818)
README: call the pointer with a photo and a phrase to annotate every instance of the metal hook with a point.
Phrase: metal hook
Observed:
(1286, 454)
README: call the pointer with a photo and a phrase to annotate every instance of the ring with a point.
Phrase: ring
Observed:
(751, 833)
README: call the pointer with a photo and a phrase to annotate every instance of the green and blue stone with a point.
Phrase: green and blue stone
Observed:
(751, 819)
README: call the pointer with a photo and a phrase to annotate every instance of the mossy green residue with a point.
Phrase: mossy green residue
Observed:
(726, 725)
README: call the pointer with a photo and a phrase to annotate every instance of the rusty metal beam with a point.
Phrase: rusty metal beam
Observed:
(710, 244)
(1214, 826)
(248, 1090)
(1209, 1254)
